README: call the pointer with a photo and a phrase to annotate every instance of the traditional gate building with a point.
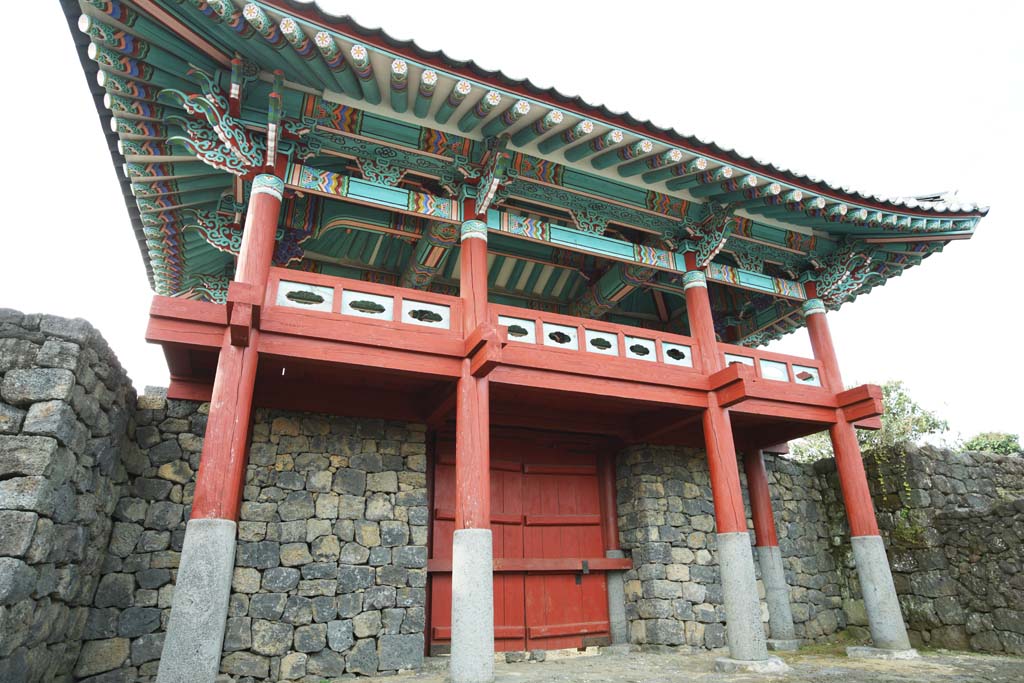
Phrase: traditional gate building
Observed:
(338, 222)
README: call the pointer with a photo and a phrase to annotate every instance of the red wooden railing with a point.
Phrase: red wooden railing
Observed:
(394, 307)
(554, 332)
(334, 298)
(775, 366)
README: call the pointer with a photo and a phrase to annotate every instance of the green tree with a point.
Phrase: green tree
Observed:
(904, 422)
(994, 442)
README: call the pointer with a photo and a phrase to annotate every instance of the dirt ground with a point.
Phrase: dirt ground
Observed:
(816, 664)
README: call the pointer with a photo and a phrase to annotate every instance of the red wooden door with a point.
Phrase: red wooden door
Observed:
(562, 520)
(545, 518)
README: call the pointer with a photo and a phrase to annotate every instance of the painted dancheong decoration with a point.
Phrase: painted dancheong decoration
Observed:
(470, 250)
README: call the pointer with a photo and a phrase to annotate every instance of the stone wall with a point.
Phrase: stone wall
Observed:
(330, 571)
(953, 526)
(666, 524)
(331, 560)
(124, 634)
(66, 411)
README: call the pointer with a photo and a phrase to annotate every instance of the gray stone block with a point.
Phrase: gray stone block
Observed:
(98, 656)
(242, 664)
(32, 456)
(17, 580)
(271, 637)
(269, 606)
(261, 555)
(27, 493)
(238, 634)
(165, 452)
(280, 579)
(311, 638)
(115, 590)
(163, 515)
(10, 419)
(326, 664)
(325, 608)
(24, 386)
(401, 652)
(147, 648)
(75, 330)
(340, 635)
(293, 666)
(16, 531)
(138, 621)
(362, 659)
(298, 610)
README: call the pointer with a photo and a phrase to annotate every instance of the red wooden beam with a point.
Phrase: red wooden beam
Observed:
(357, 355)
(583, 386)
(189, 390)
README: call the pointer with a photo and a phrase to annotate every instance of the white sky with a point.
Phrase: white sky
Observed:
(894, 98)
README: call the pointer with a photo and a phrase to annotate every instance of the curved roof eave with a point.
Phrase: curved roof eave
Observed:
(312, 11)
(72, 11)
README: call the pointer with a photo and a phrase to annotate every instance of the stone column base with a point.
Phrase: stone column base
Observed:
(739, 590)
(771, 665)
(879, 653)
(783, 645)
(883, 607)
(472, 658)
(618, 625)
(780, 617)
(199, 610)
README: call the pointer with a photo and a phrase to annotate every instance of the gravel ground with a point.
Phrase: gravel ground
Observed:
(823, 664)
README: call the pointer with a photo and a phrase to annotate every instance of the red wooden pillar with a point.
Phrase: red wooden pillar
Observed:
(721, 451)
(769, 557)
(736, 561)
(195, 631)
(222, 465)
(885, 618)
(610, 521)
(760, 498)
(472, 436)
(852, 478)
(472, 644)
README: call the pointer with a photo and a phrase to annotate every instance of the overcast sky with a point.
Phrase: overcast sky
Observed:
(893, 98)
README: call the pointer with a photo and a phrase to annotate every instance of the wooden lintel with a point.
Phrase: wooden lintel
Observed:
(863, 410)
(736, 372)
(872, 423)
(186, 389)
(864, 392)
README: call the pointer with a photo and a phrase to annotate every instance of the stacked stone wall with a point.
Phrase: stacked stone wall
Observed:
(666, 524)
(66, 414)
(331, 558)
(953, 526)
(331, 562)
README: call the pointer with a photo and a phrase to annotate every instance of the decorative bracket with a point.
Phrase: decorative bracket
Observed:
(494, 175)
(840, 274)
(591, 219)
(707, 237)
(749, 255)
(219, 139)
(226, 236)
(380, 171)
